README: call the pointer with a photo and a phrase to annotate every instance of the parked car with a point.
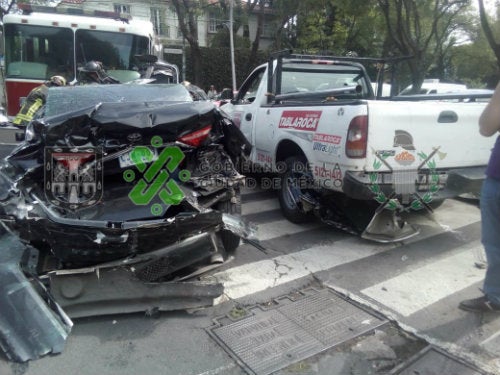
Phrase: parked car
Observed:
(434, 86)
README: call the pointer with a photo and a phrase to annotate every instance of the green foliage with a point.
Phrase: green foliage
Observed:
(221, 40)
(216, 66)
(425, 30)
(338, 27)
(475, 64)
(437, 34)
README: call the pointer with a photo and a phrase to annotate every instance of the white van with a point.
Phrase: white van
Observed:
(434, 86)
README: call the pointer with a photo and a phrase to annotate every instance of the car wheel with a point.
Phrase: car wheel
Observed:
(297, 171)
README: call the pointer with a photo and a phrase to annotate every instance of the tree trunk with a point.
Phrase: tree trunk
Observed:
(252, 60)
(189, 28)
(487, 31)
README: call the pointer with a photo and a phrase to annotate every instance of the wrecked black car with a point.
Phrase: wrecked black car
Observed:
(117, 195)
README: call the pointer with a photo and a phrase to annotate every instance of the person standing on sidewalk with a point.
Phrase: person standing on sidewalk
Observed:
(212, 93)
(489, 124)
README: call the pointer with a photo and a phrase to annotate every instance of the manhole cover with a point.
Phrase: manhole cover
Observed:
(271, 339)
(432, 361)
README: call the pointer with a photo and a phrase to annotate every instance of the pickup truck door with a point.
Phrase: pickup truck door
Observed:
(245, 107)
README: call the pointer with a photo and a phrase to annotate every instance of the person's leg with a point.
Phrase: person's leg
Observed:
(490, 236)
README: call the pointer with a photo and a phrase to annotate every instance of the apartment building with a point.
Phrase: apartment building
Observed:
(165, 20)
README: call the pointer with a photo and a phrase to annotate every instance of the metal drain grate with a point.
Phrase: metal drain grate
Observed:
(432, 361)
(269, 340)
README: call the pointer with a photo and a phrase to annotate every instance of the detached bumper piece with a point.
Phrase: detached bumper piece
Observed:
(111, 289)
(388, 227)
(118, 291)
(31, 323)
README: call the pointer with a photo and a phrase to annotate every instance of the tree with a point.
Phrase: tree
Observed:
(422, 29)
(475, 64)
(260, 28)
(188, 12)
(285, 13)
(6, 7)
(495, 46)
(339, 27)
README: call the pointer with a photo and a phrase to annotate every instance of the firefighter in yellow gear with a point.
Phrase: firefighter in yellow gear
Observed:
(35, 100)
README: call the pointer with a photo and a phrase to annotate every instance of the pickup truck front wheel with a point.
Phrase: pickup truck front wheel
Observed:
(294, 181)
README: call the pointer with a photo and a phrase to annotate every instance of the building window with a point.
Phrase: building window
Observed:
(121, 8)
(212, 23)
(267, 30)
(157, 20)
(172, 15)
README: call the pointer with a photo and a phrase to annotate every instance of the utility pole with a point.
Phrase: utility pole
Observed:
(183, 58)
(231, 42)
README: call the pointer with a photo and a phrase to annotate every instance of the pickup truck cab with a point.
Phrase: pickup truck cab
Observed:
(358, 163)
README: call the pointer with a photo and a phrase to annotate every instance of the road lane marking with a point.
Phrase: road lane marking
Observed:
(257, 276)
(280, 228)
(417, 289)
(260, 206)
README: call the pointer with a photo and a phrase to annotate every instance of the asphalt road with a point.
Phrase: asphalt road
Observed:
(5, 150)
(416, 285)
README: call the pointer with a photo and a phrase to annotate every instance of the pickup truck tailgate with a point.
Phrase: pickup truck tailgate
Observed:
(411, 131)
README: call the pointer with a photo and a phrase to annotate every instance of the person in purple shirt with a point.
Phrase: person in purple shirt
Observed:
(489, 124)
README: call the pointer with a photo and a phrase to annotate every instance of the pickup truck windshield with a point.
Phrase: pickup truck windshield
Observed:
(313, 78)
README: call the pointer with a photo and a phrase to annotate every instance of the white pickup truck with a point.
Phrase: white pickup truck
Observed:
(356, 162)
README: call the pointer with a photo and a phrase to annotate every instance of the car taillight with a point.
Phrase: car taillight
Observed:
(357, 137)
(197, 137)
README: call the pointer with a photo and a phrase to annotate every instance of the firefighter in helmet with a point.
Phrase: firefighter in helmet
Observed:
(94, 73)
(36, 100)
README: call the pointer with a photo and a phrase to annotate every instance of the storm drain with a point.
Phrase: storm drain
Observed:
(293, 329)
(434, 361)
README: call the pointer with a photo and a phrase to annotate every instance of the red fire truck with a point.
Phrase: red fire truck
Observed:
(42, 42)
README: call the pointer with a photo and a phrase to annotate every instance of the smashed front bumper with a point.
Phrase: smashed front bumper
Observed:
(139, 269)
(37, 311)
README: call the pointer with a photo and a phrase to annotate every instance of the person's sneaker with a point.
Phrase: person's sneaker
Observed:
(481, 304)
